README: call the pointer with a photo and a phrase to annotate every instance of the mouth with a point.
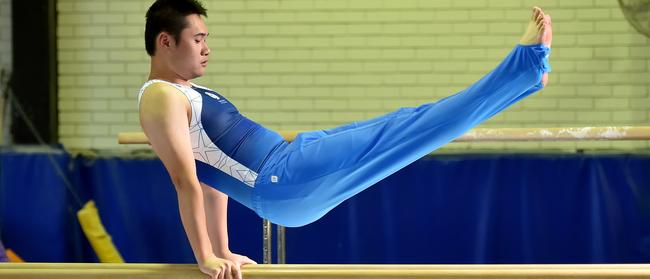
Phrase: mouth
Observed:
(204, 63)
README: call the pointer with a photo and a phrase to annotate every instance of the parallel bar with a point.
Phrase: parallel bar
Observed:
(132, 138)
(281, 249)
(178, 271)
(558, 134)
(499, 134)
(267, 241)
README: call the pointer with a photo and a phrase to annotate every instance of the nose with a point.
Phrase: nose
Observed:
(206, 50)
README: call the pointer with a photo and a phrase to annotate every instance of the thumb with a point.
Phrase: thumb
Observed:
(247, 260)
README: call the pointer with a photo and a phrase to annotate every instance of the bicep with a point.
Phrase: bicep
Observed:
(163, 116)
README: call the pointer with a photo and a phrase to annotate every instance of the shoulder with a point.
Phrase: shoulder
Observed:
(160, 89)
(161, 96)
(157, 91)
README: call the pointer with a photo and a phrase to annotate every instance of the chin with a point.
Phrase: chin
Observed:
(198, 74)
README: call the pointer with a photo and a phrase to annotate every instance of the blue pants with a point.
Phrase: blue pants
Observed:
(305, 179)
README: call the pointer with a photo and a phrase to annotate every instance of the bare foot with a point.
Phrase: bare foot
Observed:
(538, 29)
(547, 38)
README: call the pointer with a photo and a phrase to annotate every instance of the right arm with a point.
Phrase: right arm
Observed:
(164, 117)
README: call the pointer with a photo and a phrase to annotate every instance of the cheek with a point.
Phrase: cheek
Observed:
(189, 58)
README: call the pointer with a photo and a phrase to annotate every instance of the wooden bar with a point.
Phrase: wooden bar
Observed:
(281, 271)
(498, 134)
(557, 134)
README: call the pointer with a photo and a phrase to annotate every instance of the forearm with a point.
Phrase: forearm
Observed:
(216, 211)
(190, 202)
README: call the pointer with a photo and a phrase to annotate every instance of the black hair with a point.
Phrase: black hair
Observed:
(168, 16)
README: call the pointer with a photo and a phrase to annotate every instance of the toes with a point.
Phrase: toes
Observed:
(536, 12)
(541, 21)
(539, 18)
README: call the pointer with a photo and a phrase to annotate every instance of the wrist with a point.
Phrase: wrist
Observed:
(205, 257)
(222, 253)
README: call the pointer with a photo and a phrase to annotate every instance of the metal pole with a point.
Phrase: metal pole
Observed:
(267, 248)
(281, 245)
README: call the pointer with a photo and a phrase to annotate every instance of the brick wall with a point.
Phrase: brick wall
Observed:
(310, 64)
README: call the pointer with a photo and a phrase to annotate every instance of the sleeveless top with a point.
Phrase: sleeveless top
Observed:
(229, 149)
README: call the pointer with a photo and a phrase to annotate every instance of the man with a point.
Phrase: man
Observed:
(206, 144)
(175, 39)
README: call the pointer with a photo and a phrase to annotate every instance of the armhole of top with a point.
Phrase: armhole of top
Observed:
(150, 82)
(180, 89)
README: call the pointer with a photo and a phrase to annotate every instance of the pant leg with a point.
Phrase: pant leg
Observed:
(321, 169)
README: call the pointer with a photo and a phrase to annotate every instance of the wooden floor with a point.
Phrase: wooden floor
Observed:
(181, 271)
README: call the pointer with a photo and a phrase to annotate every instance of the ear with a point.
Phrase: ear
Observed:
(164, 40)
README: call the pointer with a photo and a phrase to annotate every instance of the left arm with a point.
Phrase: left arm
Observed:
(216, 213)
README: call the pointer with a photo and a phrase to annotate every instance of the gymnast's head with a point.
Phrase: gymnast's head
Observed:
(175, 37)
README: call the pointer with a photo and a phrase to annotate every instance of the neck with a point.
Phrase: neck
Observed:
(157, 71)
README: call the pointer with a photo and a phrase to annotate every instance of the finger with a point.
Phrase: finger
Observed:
(231, 271)
(236, 272)
(221, 273)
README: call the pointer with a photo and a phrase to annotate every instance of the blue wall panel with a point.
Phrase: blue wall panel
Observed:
(489, 208)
